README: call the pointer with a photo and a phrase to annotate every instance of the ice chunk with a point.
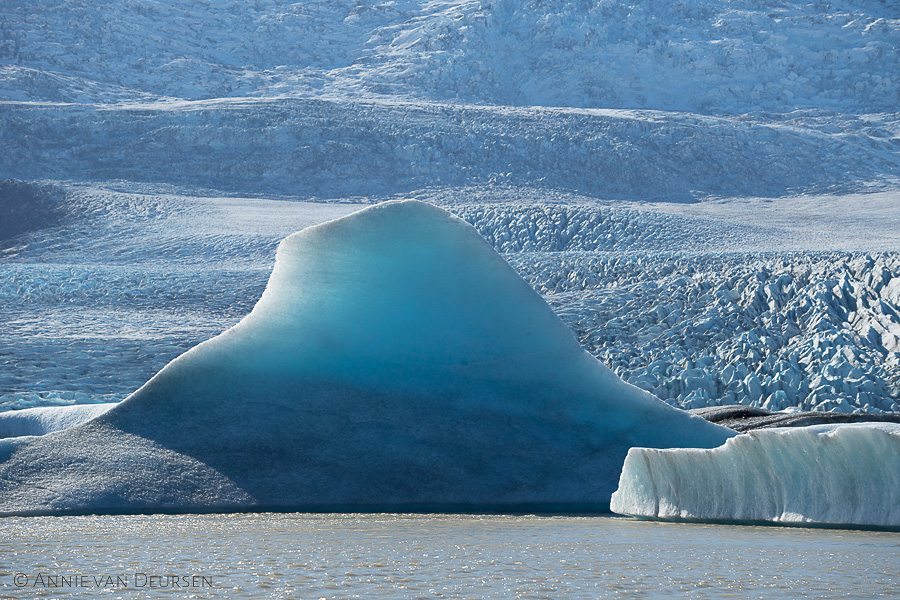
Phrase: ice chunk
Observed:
(394, 361)
(829, 474)
(44, 420)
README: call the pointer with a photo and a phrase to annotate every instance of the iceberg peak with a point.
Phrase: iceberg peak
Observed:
(402, 295)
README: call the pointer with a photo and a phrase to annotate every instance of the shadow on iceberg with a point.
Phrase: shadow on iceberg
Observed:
(394, 362)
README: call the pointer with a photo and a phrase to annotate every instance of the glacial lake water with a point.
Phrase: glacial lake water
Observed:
(374, 556)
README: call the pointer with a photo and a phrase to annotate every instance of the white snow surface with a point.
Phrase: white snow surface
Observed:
(47, 419)
(394, 360)
(697, 55)
(824, 474)
(616, 100)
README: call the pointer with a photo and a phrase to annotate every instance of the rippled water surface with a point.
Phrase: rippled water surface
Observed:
(435, 556)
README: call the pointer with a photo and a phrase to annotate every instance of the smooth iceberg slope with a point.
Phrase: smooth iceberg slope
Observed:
(394, 360)
(828, 474)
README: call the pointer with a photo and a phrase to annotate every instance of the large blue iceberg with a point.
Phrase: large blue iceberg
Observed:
(394, 362)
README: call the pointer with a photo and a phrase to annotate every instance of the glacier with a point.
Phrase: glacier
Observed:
(706, 56)
(394, 361)
(842, 475)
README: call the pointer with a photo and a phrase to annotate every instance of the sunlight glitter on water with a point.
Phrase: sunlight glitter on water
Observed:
(435, 556)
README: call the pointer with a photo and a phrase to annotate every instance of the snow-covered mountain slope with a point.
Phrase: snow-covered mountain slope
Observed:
(334, 149)
(615, 100)
(697, 55)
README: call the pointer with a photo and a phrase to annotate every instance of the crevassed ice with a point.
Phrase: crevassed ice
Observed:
(827, 474)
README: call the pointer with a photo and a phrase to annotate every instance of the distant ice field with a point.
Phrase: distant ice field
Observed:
(780, 303)
(709, 56)
(338, 147)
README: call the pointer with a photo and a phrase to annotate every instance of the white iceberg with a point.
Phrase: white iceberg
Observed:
(845, 474)
(394, 361)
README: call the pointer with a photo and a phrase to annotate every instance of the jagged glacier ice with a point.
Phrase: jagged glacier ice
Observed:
(704, 56)
(824, 474)
(395, 360)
